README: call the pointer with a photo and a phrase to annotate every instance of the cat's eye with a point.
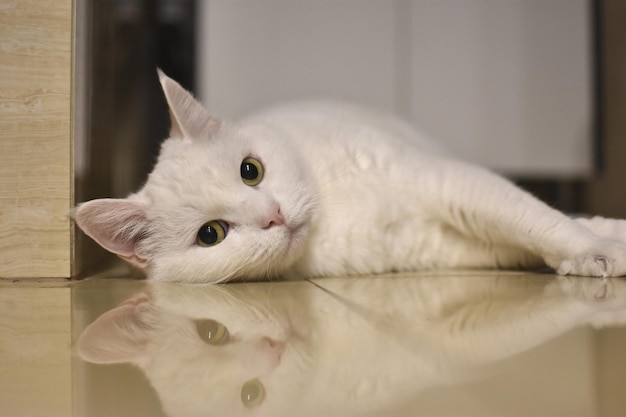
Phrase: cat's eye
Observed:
(252, 393)
(212, 233)
(212, 332)
(251, 171)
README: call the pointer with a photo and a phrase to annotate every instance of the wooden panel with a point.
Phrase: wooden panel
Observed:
(35, 145)
(35, 356)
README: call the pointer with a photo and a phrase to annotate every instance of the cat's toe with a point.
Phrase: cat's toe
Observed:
(600, 258)
(589, 266)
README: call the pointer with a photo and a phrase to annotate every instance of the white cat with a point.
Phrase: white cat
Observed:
(319, 189)
(341, 347)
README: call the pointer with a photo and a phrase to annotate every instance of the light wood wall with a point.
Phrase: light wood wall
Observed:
(35, 138)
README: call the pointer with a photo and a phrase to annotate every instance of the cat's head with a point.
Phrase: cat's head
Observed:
(223, 202)
(207, 351)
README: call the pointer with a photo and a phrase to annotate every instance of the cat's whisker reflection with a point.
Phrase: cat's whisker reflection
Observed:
(337, 346)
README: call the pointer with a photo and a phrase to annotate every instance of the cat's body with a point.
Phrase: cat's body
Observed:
(343, 191)
(339, 347)
(377, 195)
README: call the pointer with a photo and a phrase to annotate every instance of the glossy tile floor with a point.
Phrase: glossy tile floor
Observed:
(430, 344)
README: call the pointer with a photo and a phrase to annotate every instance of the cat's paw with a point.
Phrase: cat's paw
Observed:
(587, 265)
(605, 258)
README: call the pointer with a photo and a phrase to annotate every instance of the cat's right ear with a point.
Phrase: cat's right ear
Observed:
(116, 224)
(188, 117)
(117, 336)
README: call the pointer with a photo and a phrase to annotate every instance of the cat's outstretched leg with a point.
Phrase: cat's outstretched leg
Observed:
(484, 206)
(607, 228)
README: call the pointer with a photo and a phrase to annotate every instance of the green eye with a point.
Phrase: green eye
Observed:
(251, 171)
(212, 332)
(212, 233)
(252, 393)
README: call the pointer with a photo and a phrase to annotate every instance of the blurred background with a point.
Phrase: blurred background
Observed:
(533, 89)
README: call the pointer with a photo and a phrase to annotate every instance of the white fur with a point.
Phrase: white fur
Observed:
(360, 193)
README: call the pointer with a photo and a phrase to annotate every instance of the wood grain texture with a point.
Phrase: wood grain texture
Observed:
(35, 133)
(35, 352)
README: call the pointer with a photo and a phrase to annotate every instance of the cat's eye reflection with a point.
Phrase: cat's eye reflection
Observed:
(252, 393)
(212, 233)
(212, 332)
(338, 346)
(251, 171)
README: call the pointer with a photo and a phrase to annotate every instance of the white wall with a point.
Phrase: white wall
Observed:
(505, 83)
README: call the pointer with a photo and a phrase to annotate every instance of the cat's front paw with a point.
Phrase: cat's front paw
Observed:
(587, 266)
(603, 259)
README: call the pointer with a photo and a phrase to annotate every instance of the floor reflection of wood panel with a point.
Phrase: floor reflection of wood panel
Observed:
(35, 357)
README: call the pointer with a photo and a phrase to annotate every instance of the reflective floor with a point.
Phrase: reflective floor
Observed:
(430, 344)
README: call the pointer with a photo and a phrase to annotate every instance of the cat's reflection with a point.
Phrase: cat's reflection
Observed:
(334, 346)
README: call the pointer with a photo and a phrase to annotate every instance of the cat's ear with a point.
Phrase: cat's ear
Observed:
(116, 224)
(188, 118)
(119, 335)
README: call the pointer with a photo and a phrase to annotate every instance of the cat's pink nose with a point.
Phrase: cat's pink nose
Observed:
(274, 218)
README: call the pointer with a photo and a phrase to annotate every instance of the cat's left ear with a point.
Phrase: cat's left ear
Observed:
(118, 225)
(188, 117)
